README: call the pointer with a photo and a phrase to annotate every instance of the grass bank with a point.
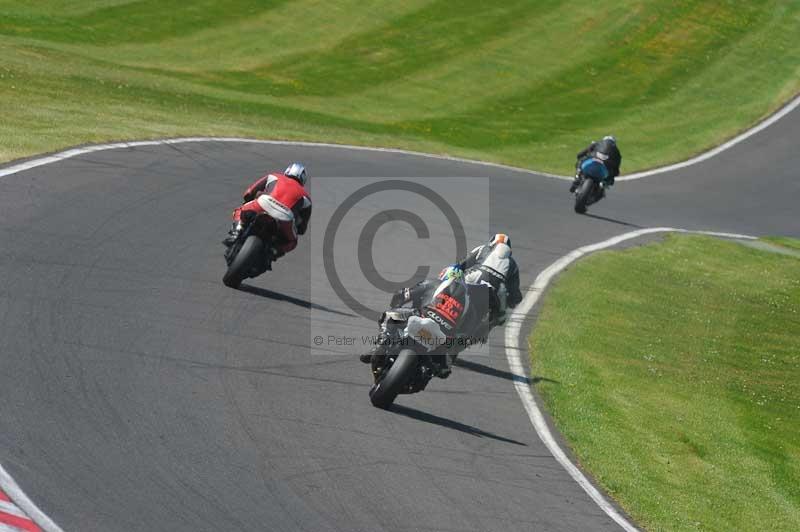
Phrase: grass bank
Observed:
(784, 241)
(677, 386)
(525, 83)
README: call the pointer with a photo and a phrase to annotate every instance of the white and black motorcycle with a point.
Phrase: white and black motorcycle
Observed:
(419, 340)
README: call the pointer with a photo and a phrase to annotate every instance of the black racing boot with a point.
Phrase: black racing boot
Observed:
(233, 234)
(379, 349)
(275, 253)
(575, 183)
(271, 255)
(441, 366)
(366, 358)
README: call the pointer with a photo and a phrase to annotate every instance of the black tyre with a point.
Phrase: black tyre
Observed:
(239, 269)
(384, 392)
(583, 195)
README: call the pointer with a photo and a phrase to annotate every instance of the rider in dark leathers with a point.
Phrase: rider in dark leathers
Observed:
(492, 275)
(426, 296)
(607, 152)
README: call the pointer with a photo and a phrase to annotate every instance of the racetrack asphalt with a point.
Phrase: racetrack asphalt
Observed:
(138, 393)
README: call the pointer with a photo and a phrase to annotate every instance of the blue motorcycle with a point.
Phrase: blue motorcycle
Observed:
(592, 177)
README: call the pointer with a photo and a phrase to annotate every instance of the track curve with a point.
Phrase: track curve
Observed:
(140, 394)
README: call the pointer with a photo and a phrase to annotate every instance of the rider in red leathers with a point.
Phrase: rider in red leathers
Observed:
(284, 198)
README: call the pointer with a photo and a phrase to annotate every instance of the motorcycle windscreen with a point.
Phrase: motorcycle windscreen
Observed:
(594, 169)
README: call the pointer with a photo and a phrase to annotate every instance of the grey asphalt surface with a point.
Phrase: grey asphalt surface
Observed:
(139, 394)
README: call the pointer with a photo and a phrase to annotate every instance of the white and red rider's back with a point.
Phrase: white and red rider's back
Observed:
(284, 189)
(282, 198)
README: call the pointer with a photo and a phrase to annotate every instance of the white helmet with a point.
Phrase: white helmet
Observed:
(500, 238)
(296, 171)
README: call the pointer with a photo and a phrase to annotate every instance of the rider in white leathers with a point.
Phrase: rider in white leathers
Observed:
(492, 264)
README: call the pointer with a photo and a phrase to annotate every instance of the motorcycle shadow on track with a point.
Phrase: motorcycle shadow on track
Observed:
(488, 370)
(500, 374)
(413, 413)
(277, 296)
(612, 220)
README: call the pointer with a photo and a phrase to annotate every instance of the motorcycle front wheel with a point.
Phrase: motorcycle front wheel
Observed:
(385, 391)
(251, 251)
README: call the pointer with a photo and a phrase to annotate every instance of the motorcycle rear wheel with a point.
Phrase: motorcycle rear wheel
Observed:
(385, 391)
(582, 196)
(251, 251)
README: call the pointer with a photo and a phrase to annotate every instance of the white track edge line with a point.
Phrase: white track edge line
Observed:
(515, 345)
(15, 493)
(764, 124)
(70, 153)
(74, 152)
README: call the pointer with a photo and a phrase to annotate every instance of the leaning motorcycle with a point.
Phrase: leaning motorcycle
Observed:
(592, 177)
(250, 255)
(417, 346)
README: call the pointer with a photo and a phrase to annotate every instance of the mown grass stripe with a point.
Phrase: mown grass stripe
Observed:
(521, 83)
(140, 21)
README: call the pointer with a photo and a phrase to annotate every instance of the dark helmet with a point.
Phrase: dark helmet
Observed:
(297, 172)
(610, 139)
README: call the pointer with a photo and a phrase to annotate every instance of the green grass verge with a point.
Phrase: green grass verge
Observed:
(785, 241)
(520, 82)
(677, 369)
